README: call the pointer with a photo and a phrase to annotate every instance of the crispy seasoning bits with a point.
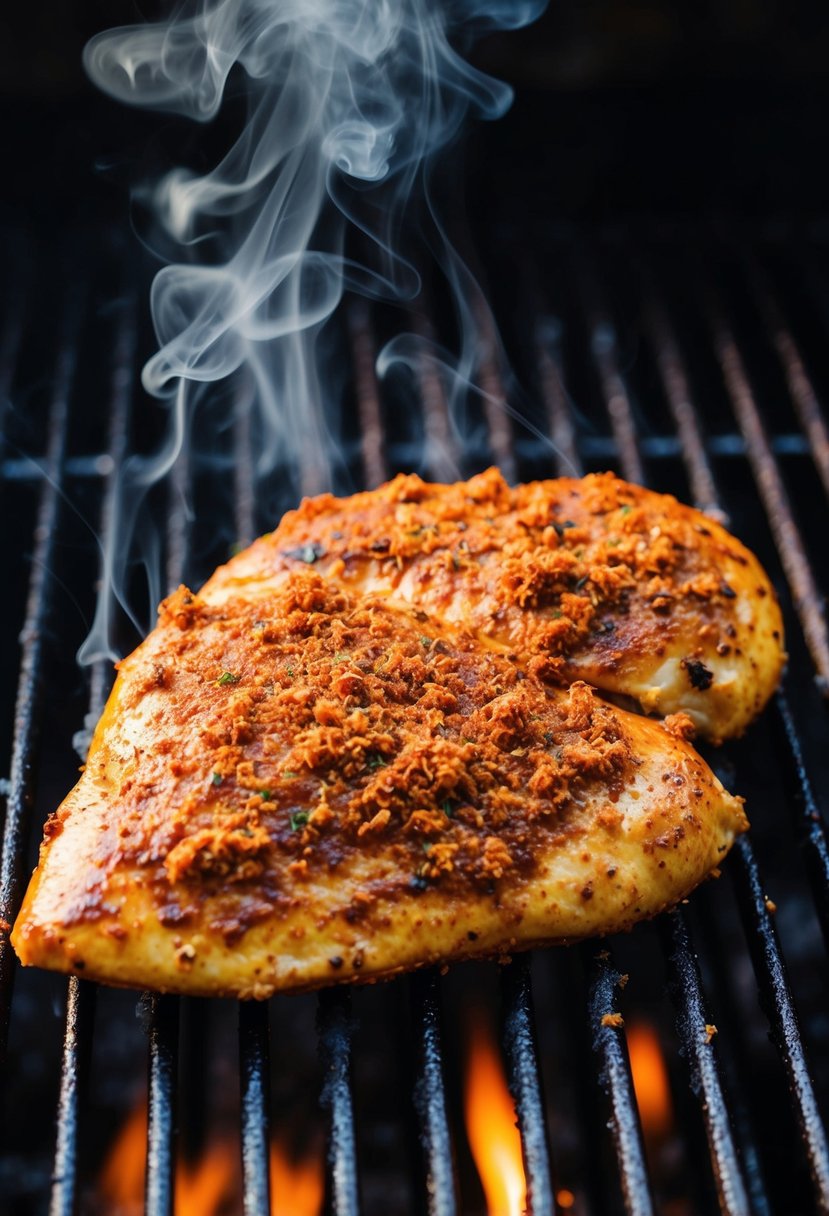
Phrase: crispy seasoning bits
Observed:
(496, 859)
(449, 756)
(235, 853)
(680, 725)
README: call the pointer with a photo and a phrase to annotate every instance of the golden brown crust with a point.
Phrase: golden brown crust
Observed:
(310, 786)
(592, 579)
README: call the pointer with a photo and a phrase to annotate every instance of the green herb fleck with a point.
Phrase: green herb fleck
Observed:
(289, 671)
(298, 820)
(424, 641)
(557, 614)
(580, 582)
(227, 677)
(626, 509)
(266, 794)
(426, 845)
(341, 656)
(217, 778)
(447, 808)
(375, 760)
(289, 772)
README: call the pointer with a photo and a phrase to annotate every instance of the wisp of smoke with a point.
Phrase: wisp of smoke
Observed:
(349, 103)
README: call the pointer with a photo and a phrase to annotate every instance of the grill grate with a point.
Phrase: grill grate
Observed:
(577, 346)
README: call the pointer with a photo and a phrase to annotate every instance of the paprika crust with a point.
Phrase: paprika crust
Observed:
(592, 579)
(310, 785)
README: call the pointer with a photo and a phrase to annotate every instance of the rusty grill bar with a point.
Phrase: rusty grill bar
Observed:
(582, 339)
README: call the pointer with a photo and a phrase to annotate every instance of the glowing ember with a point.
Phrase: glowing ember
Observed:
(491, 1127)
(121, 1184)
(297, 1187)
(650, 1080)
(211, 1186)
(205, 1188)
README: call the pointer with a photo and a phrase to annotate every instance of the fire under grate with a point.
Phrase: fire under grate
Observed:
(685, 360)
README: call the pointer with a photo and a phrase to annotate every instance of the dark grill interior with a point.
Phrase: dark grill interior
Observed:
(689, 358)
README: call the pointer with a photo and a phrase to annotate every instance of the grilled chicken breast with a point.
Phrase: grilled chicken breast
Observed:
(590, 579)
(303, 786)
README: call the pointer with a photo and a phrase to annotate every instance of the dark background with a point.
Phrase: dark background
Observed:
(669, 107)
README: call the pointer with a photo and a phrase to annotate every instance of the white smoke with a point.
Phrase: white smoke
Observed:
(349, 103)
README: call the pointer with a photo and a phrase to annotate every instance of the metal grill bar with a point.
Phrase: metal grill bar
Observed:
(787, 538)
(255, 1084)
(737, 1064)
(775, 993)
(554, 395)
(430, 1097)
(496, 410)
(800, 386)
(525, 1083)
(9, 346)
(809, 822)
(244, 477)
(254, 1031)
(368, 397)
(696, 1035)
(678, 393)
(776, 1001)
(442, 457)
(700, 1056)
(517, 1041)
(334, 1027)
(29, 699)
(80, 1003)
(165, 1018)
(615, 1077)
(161, 1123)
(77, 1043)
(603, 343)
(811, 826)
(606, 1027)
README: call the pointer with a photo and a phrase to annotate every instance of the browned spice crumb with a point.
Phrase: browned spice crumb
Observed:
(557, 571)
(347, 727)
(680, 725)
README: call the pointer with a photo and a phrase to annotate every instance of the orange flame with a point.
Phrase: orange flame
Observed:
(213, 1184)
(207, 1186)
(650, 1080)
(491, 1126)
(297, 1186)
(121, 1183)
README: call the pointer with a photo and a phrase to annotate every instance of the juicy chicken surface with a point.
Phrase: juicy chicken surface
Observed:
(591, 579)
(309, 786)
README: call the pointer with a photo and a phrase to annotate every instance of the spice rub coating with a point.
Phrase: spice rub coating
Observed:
(290, 790)
(592, 579)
